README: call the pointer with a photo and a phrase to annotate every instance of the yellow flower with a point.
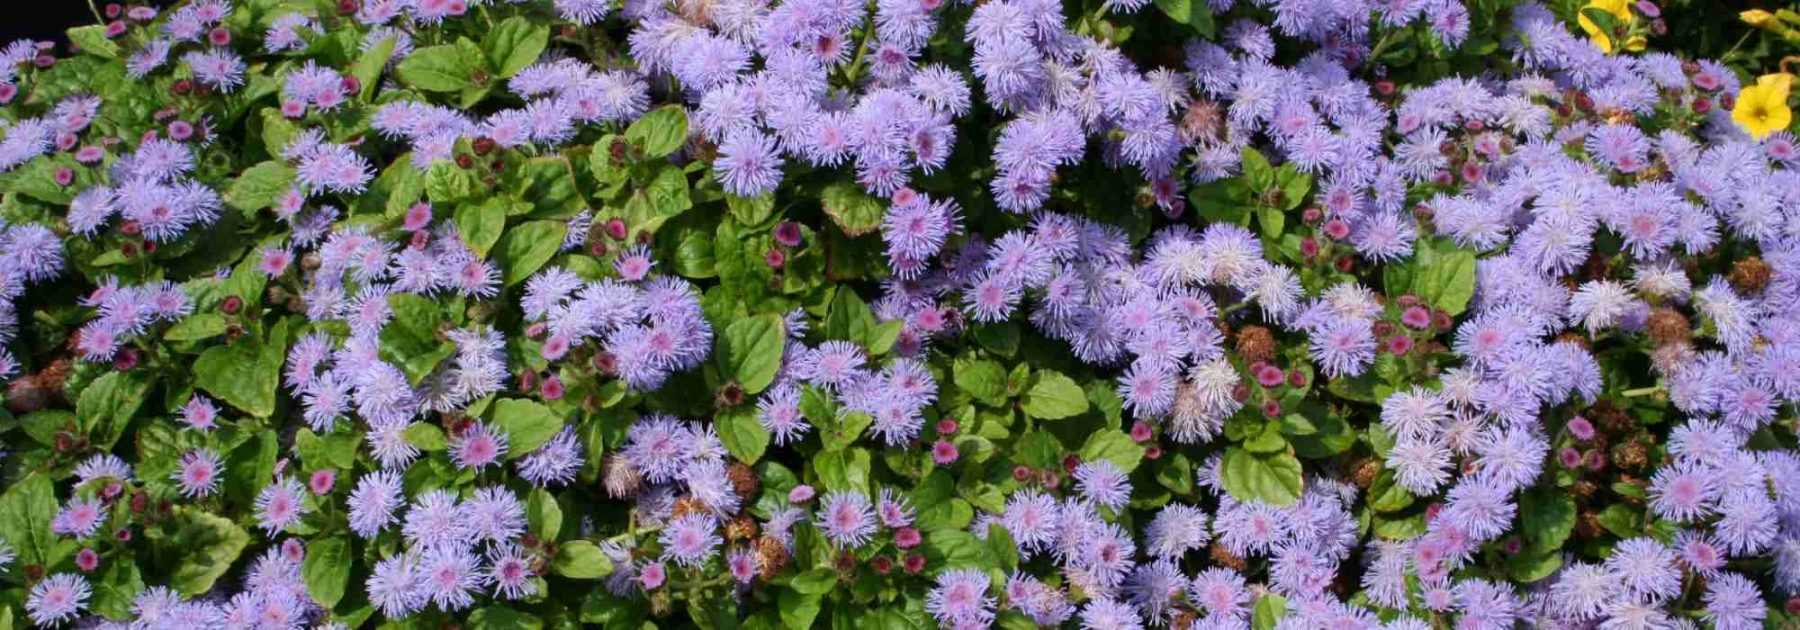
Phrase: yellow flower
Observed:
(1756, 17)
(1762, 109)
(1620, 9)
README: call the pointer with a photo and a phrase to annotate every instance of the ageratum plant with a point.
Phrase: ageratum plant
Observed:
(1399, 314)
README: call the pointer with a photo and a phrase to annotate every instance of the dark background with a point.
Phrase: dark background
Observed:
(47, 19)
(43, 19)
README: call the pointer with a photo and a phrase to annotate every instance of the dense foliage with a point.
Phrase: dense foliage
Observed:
(1260, 314)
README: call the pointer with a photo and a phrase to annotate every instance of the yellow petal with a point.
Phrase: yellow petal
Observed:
(1762, 109)
(1756, 17)
(1780, 82)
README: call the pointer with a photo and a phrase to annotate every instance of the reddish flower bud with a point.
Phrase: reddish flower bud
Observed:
(1141, 431)
(944, 453)
(87, 560)
(907, 538)
(787, 233)
(126, 359)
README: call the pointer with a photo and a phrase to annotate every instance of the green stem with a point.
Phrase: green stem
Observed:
(1642, 391)
(856, 63)
(1725, 58)
(1381, 46)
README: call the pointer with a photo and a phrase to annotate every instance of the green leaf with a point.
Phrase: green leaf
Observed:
(666, 196)
(326, 569)
(1274, 479)
(259, 186)
(843, 470)
(854, 211)
(514, 44)
(1039, 449)
(245, 373)
(1387, 496)
(1001, 545)
(335, 450)
(250, 466)
(750, 351)
(208, 545)
(694, 255)
(1176, 474)
(750, 210)
(196, 327)
(370, 63)
(1293, 185)
(954, 549)
(1440, 273)
(1257, 171)
(1115, 446)
(1192, 13)
(43, 425)
(814, 582)
(277, 130)
(981, 378)
(581, 560)
(999, 338)
(660, 132)
(798, 610)
(1547, 517)
(481, 225)
(425, 437)
(1053, 397)
(849, 317)
(1270, 609)
(446, 183)
(118, 587)
(742, 434)
(25, 514)
(107, 405)
(526, 247)
(1622, 520)
(92, 40)
(410, 340)
(527, 423)
(498, 617)
(1531, 565)
(543, 514)
(1272, 220)
(445, 68)
(883, 336)
(842, 430)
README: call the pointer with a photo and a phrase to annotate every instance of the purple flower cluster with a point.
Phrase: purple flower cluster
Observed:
(1581, 187)
(122, 313)
(642, 331)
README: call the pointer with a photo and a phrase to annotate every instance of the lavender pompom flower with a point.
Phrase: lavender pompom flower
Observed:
(1646, 569)
(553, 464)
(691, 540)
(960, 599)
(846, 519)
(57, 598)
(373, 502)
(1103, 483)
(280, 505)
(198, 473)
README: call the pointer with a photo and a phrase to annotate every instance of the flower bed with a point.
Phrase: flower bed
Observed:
(1227, 314)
